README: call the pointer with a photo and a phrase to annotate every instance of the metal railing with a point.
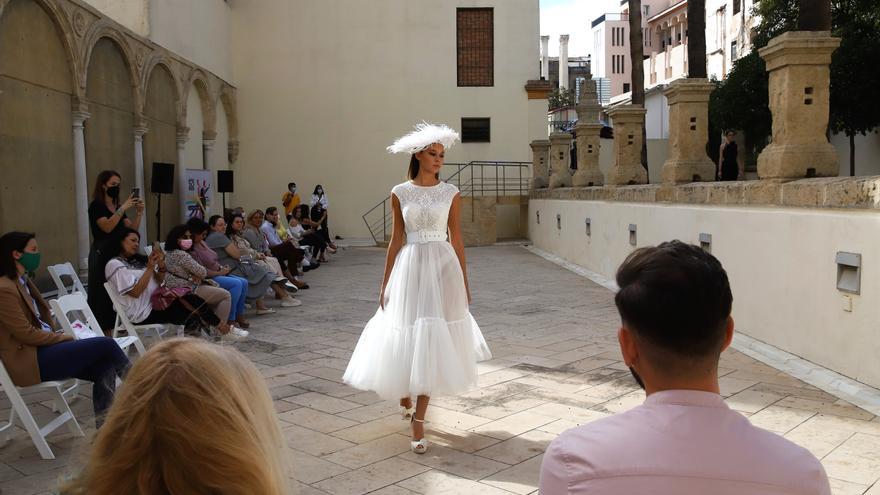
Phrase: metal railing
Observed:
(474, 179)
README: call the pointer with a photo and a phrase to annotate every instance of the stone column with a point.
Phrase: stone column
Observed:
(232, 151)
(140, 128)
(208, 140)
(587, 131)
(560, 159)
(688, 132)
(545, 58)
(180, 187)
(540, 159)
(799, 87)
(563, 61)
(80, 114)
(627, 168)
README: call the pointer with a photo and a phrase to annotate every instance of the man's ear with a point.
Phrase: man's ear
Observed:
(728, 333)
(628, 346)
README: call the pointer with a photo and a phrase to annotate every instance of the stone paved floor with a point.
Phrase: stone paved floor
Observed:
(556, 365)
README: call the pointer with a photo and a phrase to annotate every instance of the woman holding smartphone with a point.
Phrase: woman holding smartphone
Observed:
(107, 218)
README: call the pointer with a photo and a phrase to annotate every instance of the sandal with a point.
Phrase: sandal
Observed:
(418, 446)
(406, 414)
(267, 311)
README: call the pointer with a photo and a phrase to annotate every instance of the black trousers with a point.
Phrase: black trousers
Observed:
(289, 256)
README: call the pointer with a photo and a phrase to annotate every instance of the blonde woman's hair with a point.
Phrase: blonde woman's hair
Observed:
(192, 417)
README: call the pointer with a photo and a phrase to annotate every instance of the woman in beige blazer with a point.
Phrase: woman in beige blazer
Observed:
(31, 348)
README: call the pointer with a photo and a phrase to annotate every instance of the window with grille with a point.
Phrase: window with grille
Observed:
(476, 47)
(475, 130)
(736, 6)
(626, 87)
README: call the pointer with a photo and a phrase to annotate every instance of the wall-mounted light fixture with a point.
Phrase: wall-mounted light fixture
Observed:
(849, 272)
(538, 216)
(587, 225)
(706, 242)
(558, 221)
(632, 234)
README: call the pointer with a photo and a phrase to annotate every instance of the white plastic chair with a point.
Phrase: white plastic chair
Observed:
(64, 305)
(66, 270)
(122, 321)
(37, 433)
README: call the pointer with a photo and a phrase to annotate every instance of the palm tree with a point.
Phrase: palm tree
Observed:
(636, 57)
(696, 38)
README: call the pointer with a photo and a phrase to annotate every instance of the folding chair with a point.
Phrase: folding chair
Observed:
(64, 305)
(122, 321)
(66, 270)
(37, 433)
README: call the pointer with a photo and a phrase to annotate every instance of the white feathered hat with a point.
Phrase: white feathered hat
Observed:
(424, 135)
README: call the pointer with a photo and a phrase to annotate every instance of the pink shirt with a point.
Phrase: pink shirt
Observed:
(678, 442)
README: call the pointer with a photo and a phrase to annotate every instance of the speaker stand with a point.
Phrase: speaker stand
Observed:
(158, 217)
(224, 204)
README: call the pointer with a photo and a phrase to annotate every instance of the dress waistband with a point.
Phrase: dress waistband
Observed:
(423, 236)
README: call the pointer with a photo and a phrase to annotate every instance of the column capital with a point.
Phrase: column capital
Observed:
(563, 38)
(209, 135)
(208, 144)
(232, 150)
(141, 127)
(182, 136)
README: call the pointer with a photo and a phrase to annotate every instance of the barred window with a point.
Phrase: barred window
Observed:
(475, 130)
(476, 47)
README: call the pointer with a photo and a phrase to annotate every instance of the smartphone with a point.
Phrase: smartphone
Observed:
(157, 248)
(136, 192)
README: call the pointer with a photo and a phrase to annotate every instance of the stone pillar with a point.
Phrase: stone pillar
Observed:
(545, 58)
(587, 131)
(232, 151)
(560, 159)
(81, 185)
(540, 163)
(688, 132)
(627, 168)
(208, 140)
(140, 128)
(563, 61)
(799, 87)
(180, 186)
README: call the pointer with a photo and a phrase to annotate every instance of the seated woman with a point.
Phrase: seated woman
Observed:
(195, 418)
(31, 349)
(185, 272)
(309, 240)
(136, 277)
(312, 228)
(205, 256)
(259, 279)
(257, 241)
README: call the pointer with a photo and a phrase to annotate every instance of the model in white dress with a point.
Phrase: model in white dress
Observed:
(424, 341)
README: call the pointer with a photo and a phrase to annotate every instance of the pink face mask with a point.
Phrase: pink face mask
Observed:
(186, 244)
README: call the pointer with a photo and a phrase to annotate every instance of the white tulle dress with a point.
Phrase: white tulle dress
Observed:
(425, 341)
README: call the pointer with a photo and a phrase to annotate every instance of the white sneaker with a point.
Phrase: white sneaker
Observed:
(235, 334)
(290, 302)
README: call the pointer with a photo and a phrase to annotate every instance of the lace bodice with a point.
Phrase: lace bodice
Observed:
(425, 208)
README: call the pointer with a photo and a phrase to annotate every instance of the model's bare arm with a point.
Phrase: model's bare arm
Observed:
(456, 239)
(397, 236)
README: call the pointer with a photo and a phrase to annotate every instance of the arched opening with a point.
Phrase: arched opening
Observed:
(36, 144)
(195, 120)
(160, 145)
(220, 161)
(109, 131)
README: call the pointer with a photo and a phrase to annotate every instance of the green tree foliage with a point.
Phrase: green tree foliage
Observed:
(740, 101)
(560, 98)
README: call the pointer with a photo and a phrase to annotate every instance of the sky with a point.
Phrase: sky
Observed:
(572, 17)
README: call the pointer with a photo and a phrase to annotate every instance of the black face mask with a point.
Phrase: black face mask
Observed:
(113, 192)
(637, 377)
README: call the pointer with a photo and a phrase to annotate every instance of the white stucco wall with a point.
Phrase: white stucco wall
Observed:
(324, 87)
(193, 154)
(198, 30)
(867, 153)
(780, 261)
(133, 14)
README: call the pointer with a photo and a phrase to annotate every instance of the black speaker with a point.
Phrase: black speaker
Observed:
(225, 181)
(163, 178)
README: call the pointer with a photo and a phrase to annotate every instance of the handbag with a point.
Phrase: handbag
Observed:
(164, 296)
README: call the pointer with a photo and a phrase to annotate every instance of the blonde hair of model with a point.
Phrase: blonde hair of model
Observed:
(191, 417)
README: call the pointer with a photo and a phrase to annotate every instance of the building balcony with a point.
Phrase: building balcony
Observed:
(665, 66)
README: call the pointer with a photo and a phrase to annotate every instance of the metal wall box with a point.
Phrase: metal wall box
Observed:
(632, 234)
(706, 242)
(587, 226)
(558, 221)
(849, 272)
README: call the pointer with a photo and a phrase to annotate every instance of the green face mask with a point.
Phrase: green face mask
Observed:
(30, 261)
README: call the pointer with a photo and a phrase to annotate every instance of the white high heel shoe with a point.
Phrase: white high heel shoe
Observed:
(406, 414)
(419, 446)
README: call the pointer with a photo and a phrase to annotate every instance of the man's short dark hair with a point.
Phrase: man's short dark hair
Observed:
(271, 210)
(675, 297)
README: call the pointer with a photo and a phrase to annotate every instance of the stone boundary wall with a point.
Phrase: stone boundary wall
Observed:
(828, 192)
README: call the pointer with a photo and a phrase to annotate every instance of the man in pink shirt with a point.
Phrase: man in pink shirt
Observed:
(674, 302)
